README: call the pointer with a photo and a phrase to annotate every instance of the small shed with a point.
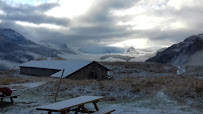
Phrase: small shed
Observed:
(72, 69)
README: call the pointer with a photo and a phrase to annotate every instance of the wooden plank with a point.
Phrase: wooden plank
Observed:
(13, 89)
(11, 98)
(68, 104)
(14, 96)
(104, 111)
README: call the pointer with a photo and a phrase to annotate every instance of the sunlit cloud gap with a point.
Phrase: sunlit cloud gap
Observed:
(137, 43)
(70, 8)
(44, 25)
(2, 13)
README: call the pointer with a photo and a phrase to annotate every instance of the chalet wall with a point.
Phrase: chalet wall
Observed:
(37, 71)
(91, 71)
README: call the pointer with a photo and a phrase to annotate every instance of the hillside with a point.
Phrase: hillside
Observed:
(181, 53)
(15, 49)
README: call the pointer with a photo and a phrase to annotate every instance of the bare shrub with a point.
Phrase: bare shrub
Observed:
(12, 80)
(185, 87)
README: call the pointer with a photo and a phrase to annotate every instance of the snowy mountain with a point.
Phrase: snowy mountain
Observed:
(60, 46)
(180, 53)
(15, 49)
(131, 54)
(15, 37)
(132, 50)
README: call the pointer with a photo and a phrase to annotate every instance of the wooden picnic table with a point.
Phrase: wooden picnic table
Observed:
(2, 96)
(74, 104)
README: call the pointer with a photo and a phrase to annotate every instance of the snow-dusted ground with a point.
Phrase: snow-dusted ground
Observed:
(30, 100)
(119, 95)
(134, 69)
(27, 85)
(180, 70)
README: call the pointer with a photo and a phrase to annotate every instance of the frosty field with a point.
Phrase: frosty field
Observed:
(130, 93)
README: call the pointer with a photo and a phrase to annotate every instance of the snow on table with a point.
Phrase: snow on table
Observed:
(67, 104)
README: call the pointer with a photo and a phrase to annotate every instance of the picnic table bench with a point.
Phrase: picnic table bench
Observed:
(2, 96)
(11, 98)
(74, 104)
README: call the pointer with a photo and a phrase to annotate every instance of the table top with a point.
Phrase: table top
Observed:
(70, 103)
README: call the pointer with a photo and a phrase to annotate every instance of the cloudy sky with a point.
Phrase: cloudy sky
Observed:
(121, 23)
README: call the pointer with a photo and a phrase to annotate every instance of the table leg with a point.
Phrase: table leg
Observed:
(11, 100)
(2, 95)
(49, 112)
(65, 112)
(95, 105)
(84, 109)
(77, 110)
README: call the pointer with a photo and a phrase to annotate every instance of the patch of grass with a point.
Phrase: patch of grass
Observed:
(7, 80)
(12, 80)
(185, 87)
(181, 88)
(145, 66)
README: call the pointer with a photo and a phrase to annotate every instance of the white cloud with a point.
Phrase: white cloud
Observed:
(137, 43)
(1, 12)
(143, 16)
(43, 25)
(70, 8)
(179, 4)
(140, 23)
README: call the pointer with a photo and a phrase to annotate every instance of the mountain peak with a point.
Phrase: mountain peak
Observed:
(200, 35)
(180, 53)
(6, 29)
(16, 48)
(132, 50)
(13, 36)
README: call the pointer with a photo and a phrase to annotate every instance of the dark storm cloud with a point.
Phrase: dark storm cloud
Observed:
(103, 22)
(31, 14)
(99, 25)
(101, 11)
(99, 16)
(103, 27)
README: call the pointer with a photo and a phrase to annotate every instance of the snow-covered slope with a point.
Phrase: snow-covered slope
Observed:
(60, 46)
(15, 37)
(180, 53)
(15, 49)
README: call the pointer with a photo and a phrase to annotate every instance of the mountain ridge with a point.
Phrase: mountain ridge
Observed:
(180, 53)
(15, 48)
